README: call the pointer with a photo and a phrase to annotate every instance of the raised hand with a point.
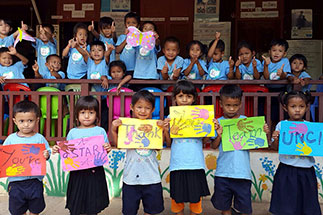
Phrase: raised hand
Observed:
(72, 43)
(30, 150)
(176, 72)
(231, 62)
(217, 35)
(200, 113)
(280, 70)
(12, 50)
(113, 27)
(238, 62)
(100, 159)
(35, 66)
(14, 170)
(24, 27)
(303, 148)
(243, 125)
(236, 143)
(110, 47)
(165, 69)
(267, 60)
(91, 27)
(299, 128)
(254, 62)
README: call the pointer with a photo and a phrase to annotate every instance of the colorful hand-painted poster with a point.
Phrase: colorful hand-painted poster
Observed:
(83, 153)
(191, 121)
(140, 134)
(301, 138)
(243, 133)
(22, 160)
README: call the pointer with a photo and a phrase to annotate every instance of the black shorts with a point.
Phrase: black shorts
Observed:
(151, 196)
(26, 195)
(226, 189)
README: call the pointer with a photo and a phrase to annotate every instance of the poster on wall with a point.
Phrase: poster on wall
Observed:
(302, 23)
(115, 5)
(207, 10)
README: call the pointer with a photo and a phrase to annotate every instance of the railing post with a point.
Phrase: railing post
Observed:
(85, 89)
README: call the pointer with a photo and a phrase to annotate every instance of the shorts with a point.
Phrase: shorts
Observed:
(194, 207)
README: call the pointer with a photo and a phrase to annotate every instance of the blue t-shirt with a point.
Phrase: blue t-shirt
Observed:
(302, 75)
(273, 67)
(7, 41)
(247, 72)
(15, 139)
(47, 75)
(77, 133)
(43, 50)
(295, 160)
(111, 42)
(128, 54)
(146, 63)
(194, 74)
(14, 71)
(96, 71)
(77, 67)
(178, 61)
(218, 71)
(233, 164)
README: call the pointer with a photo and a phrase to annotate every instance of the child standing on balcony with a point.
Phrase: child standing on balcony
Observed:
(117, 71)
(299, 76)
(295, 185)
(87, 191)
(7, 40)
(232, 179)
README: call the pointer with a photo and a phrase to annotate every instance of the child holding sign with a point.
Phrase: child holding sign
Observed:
(87, 191)
(295, 186)
(141, 177)
(26, 192)
(233, 174)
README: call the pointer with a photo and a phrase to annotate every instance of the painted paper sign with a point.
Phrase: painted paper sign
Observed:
(22, 160)
(139, 134)
(301, 138)
(243, 133)
(145, 39)
(191, 121)
(83, 153)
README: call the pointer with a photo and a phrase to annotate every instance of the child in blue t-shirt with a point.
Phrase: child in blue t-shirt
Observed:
(107, 33)
(26, 192)
(218, 69)
(77, 68)
(232, 179)
(299, 76)
(127, 52)
(247, 66)
(7, 40)
(193, 67)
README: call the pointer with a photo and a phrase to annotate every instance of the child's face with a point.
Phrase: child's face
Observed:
(296, 108)
(171, 50)
(230, 106)
(276, 53)
(4, 28)
(116, 73)
(297, 65)
(81, 36)
(184, 99)
(195, 51)
(5, 59)
(106, 31)
(54, 63)
(42, 35)
(245, 55)
(97, 52)
(217, 55)
(148, 27)
(142, 109)
(131, 22)
(87, 118)
(26, 122)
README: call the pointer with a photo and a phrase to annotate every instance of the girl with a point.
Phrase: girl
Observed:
(299, 76)
(87, 191)
(117, 71)
(77, 67)
(295, 186)
(187, 176)
(193, 67)
(141, 178)
(247, 67)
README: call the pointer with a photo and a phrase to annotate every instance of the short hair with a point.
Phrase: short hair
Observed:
(186, 87)
(98, 43)
(118, 63)
(7, 21)
(298, 57)
(26, 106)
(50, 56)
(145, 95)
(3, 49)
(202, 47)
(172, 39)
(132, 15)
(245, 44)
(149, 22)
(78, 26)
(279, 42)
(87, 103)
(220, 45)
(105, 22)
(231, 91)
(50, 26)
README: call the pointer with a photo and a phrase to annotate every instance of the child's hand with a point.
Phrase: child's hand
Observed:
(105, 83)
(156, 35)
(194, 60)
(24, 27)
(165, 69)
(280, 70)
(266, 128)
(302, 82)
(238, 62)
(217, 35)
(91, 27)
(275, 135)
(110, 47)
(231, 62)
(126, 31)
(119, 89)
(115, 124)
(72, 43)
(46, 154)
(266, 60)
(35, 66)
(2, 80)
(176, 72)
(56, 149)
(164, 124)
(113, 27)
(296, 80)
(12, 50)
(254, 62)
(107, 147)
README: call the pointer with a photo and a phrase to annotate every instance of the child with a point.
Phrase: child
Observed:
(299, 76)
(295, 186)
(232, 179)
(247, 66)
(218, 69)
(7, 40)
(77, 67)
(8, 70)
(117, 71)
(193, 67)
(141, 177)
(187, 175)
(107, 33)
(87, 191)
(26, 192)
(127, 53)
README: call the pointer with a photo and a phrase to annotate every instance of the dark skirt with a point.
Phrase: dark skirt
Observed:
(87, 191)
(188, 185)
(294, 191)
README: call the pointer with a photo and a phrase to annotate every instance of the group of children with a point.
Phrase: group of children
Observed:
(294, 188)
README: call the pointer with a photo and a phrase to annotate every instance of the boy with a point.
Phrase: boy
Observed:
(107, 33)
(298, 76)
(26, 192)
(7, 40)
(233, 174)
(218, 69)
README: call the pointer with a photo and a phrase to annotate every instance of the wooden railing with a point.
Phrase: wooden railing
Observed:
(67, 111)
